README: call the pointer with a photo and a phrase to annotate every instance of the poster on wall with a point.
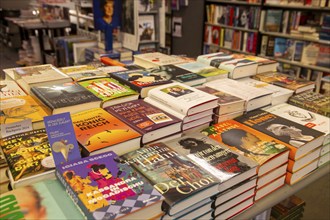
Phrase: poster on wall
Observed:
(129, 21)
(107, 14)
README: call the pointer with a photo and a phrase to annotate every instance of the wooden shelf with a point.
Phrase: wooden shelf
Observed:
(297, 7)
(232, 50)
(234, 2)
(283, 193)
(275, 34)
(232, 27)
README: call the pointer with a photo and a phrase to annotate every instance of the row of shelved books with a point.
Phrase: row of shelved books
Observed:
(168, 111)
(236, 16)
(229, 38)
(311, 26)
(315, 3)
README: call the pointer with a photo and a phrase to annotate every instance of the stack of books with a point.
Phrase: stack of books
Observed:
(290, 208)
(194, 107)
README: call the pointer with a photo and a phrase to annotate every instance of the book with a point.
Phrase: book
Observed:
(42, 200)
(273, 20)
(180, 182)
(29, 157)
(312, 101)
(225, 117)
(148, 60)
(279, 94)
(67, 97)
(229, 167)
(78, 49)
(40, 75)
(298, 138)
(235, 210)
(150, 121)
(287, 206)
(182, 98)
(103, 186)
(294, 166)
(264, 64)
(146, 28)
(303, 117)
(62, 138)
(261, 148)
(236, 64)
(298, 85)
(77, 73)
(207, 71)
(254, 98)
(99, 131)
(270, 187)
(109, 90)
(292, 178)
(9, 89)
(18, 109)
(141, 80)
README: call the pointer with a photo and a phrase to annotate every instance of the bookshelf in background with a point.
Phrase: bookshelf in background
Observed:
(232, 25)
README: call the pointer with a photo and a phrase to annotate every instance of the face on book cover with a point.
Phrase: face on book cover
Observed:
(30, 203)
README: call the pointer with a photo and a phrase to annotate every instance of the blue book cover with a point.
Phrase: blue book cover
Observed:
(62, 138)
(280, 47)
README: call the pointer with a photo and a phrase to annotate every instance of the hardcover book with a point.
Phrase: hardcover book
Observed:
(298, 85)
(298, 138)
(303, 117)
(207, 71)
(279, 94)
(183, 99)
(104, 187)
(152, 122)
(264, 64)
(181, 183)
(78, 74)
(273, 20)
(228, 166)
(98, 131)
(29, 157)
(261, 148)
(148, 60)
(312, 101)
(43, 200)
(227, 103)
(67, 97)
(109, 90)
(40, 75)
(20, 108)
(254, 98)
(9, 89)
(236, 64)
(141, 80)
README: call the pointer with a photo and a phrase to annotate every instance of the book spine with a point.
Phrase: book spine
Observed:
(43, 102)
(73, 196)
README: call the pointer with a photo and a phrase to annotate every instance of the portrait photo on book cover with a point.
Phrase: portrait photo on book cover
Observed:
(176, 91)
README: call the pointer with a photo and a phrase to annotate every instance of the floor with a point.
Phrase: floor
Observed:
(316, 195)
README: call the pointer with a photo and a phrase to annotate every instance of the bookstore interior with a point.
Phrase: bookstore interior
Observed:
(165, 109)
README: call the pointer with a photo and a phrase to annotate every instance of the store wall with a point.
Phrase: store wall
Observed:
(190, 43)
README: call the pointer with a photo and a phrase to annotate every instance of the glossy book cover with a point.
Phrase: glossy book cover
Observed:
(104, 187)
(143, 116)
(96, 129)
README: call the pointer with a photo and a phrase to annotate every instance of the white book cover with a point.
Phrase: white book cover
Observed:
(79, 50)
(255, 98)
(304, 117)
(183, 99)
(9, 89)
(146, 28)
(155, 59)
(279, 94)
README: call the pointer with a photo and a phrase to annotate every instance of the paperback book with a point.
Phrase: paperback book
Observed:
(148, 60)
(9, 89)
(104, 187)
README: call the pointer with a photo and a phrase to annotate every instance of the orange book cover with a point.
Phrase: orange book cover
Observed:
(20, 108)
(96, 129)
(245, 140)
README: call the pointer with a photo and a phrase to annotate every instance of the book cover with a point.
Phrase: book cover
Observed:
(303, 117)
(273, 20)
(20, 108)
(9, 89)
(97, 129)
(148, 60)
(228, 166)
(109, 90)
(283, 48)
(312, 101)
(149, 120)
(284, 80)
(28, 154)
(146, 27)
(182, 98)
(178, 74)
(43, 200)
(62, 138)
(173, 175)
(215, 35)
(79, 75)
(207, 71)
(104, 187)
(65, 97)
(298, 138)
(246, 141)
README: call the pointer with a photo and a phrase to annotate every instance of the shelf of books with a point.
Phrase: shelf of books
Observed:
(164, 137)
